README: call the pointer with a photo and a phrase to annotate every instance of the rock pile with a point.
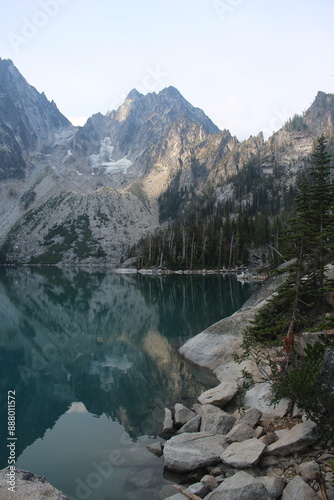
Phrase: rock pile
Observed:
(246, 455)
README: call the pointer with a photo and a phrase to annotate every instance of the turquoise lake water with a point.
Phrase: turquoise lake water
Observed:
(92, 358)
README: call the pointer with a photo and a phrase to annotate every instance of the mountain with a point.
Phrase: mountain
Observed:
(156, 130)
(28, 121)
(85, 195)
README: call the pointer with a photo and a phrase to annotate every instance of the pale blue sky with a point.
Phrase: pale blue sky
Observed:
(249, 64)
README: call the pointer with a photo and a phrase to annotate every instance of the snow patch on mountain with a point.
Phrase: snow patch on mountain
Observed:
(104, 159)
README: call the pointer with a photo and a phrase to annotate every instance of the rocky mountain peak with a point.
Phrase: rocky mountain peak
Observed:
(133, 95)
(28, 121)
(139, 127)
(171, 92)
(320, 115)
(28, 113)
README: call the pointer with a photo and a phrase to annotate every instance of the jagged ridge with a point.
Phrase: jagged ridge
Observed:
(156, 144)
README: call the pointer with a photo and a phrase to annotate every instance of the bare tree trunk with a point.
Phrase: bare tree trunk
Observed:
(184, 239)
(289, 339)
(220, 248)
(192, 251)
(231, 251)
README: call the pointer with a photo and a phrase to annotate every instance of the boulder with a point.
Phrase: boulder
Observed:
(297, 412)
(274, 485)
(297, 489)
(192, 426)
(260, 397)
(280, 433)
(211, 348)
(216, 422)
(308, 470)
(240, 432)
(220, 395)
(230, 371)
(156, 448)
(268, 439)
(241, 486)
(182, 415)
(200, 489)
(168, 425)
(203, 410)
(296, 439)
(190, 451)
(243, 455)
(259, 432)
(28, 486)
(250, 417)
(209, 482)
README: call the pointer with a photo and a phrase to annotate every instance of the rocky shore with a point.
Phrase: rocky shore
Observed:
(245, 455)
(262, 452)
(26, 486)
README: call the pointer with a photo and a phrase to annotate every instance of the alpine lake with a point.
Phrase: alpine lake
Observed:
(92, 356)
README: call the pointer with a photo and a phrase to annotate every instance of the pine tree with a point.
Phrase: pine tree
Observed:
(300, 301)
(321, 215)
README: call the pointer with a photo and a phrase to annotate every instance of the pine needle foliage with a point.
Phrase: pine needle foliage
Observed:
(308, 240)
(300, 303)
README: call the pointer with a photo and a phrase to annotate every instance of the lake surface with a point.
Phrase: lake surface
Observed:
(92, 358)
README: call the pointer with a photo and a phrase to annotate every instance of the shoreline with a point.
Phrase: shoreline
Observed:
(276, 451)
(250, 277)
(242, 276)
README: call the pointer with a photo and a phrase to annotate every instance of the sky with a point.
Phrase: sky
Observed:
(248, 64)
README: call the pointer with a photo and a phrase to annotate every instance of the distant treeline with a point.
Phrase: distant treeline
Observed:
(207, 234)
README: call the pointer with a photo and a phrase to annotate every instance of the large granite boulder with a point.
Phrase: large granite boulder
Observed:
(190, 451)
(192, 426)
(297, 489)
(182, 415)
(250, 417)
(241, 486)
(156, 449)
(243, 455)
(240, 432)
(308, 470)
(296, 439)
(216, 421)
(273, 484)
(220, 395)
(27, 486)
(260, 396)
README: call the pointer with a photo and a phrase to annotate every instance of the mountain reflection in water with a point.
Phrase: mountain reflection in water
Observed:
(95, 352)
